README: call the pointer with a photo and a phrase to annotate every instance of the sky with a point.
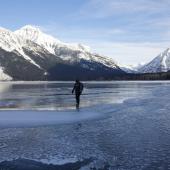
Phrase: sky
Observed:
(129, 31)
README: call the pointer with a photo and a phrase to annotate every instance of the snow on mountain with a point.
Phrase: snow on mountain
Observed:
(50, 43)
(34, 34)
(70, 52)
(4, 76)
(159, 64)
(11, 42)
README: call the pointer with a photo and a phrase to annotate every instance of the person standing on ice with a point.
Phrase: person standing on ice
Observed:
(78, 88)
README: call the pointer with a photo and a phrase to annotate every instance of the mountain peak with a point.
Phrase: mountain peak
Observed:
(166, 51)
(31, 27)
(29, 32)
(33, 33)
(161, 63)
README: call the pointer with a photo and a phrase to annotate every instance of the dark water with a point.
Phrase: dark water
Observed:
(135, 136)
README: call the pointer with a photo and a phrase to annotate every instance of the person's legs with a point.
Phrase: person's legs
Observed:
(77, 100)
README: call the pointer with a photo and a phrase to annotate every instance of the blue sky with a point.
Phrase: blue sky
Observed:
(129, 31)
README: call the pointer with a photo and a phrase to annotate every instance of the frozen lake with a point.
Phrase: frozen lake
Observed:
(120, 125)
(57, 95)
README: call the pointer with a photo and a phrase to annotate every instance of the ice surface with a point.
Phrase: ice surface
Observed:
(133, 134)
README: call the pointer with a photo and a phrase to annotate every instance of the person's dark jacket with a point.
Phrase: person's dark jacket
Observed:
(78, 88)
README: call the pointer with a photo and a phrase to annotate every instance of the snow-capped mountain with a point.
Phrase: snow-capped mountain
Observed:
(47, 41)
(34, 34)
(30, 54)
(159, 64)
(70, 52)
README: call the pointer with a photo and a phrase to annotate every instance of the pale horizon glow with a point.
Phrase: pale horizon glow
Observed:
(129, 31)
